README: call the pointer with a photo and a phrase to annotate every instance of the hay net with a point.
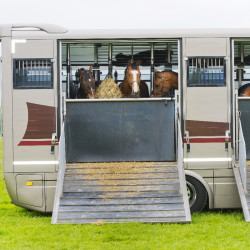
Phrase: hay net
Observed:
(108, 89)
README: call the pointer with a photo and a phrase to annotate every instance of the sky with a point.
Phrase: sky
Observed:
(121, 14)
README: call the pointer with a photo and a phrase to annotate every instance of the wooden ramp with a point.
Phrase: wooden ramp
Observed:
(244, 192)
(122, 192)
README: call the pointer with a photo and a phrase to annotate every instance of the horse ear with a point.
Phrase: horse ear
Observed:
(156, 71)
(138, 63)
(129, 64)
(90, 69)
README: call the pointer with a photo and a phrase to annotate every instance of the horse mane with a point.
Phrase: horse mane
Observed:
(166, 70)
(243, 88)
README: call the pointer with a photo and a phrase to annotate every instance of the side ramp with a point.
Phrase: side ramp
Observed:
(242, 175)
(121, 192)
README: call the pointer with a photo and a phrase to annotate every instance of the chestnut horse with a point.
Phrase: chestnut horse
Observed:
(132, 86)
(244, 90)
(87, 83)
(164, 82)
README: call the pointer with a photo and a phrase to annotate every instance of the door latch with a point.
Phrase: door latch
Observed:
(227, 136)
(187, 141)
(53, 143)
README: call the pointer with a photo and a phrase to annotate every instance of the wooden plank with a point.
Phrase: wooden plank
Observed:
(121, 215)
(120, 164)
(119, 170)
(116, 188)
(143, 220)
(121, 182)
(83, 167)
(122, 208)
(112, 195)
(117, 173)
(130, 176)
(129, 201)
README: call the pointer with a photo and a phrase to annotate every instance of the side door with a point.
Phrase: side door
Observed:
(34, 105)
(207, 103)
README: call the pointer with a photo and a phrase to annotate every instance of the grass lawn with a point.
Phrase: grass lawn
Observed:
(21, 229)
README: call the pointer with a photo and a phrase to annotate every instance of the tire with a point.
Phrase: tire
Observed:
(197, 194)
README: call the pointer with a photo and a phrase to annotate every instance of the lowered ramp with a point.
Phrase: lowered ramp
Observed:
(122, 192)
(243, 193)
(242, 175)
(119, 163)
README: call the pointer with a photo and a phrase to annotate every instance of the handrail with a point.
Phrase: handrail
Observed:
(242, 156)
(182, 178)
(60, 177)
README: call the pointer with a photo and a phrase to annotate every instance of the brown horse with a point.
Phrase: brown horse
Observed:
(164, 82)
(87, 83)
(244, 90)
(132, 86)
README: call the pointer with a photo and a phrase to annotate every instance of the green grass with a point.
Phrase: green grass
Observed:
(22, 229)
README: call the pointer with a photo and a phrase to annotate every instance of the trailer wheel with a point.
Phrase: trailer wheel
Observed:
(197, 194)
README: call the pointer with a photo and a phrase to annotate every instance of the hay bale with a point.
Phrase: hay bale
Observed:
(108, 89)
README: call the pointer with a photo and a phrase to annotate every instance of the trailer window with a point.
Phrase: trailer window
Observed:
(33, 74)
(242, 61)
(206, 72)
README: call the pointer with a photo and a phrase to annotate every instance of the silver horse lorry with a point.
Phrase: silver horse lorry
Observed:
(39, 107)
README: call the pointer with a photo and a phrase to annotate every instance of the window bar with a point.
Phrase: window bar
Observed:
(204, 71)
(18, 72)
(219, 71)
(213, 71)
(46, 78)
(152, 69)
(42, 76)
(23, 74)
(37, 73)
(27, 70)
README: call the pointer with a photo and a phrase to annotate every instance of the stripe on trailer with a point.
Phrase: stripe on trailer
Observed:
(207, 159)
(207, 140)
(35, 162)
(36, 143)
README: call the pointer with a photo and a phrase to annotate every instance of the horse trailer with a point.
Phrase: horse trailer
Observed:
(149, 159)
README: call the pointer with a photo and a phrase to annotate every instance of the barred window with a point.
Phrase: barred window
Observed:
(206, 72)
(33, 74)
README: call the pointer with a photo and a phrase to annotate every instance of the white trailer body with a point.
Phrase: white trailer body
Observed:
(207, 106)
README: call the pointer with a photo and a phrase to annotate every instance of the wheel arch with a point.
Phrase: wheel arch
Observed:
(205, 184)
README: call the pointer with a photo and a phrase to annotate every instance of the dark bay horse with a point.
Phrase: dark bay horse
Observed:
(244, 90)
(87, 83)
(164, 82)
(132, 86)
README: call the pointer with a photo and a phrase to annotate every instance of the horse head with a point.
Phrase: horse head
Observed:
(244, 90)
(87, 81)
(164, 82)
(133, 77)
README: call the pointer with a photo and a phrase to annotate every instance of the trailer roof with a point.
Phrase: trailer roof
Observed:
(43, 31)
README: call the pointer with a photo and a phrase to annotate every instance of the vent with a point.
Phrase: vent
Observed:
(33, 73)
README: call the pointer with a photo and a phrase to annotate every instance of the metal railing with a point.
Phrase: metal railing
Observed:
(60, 177)
(182, 178)
(242, 156)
